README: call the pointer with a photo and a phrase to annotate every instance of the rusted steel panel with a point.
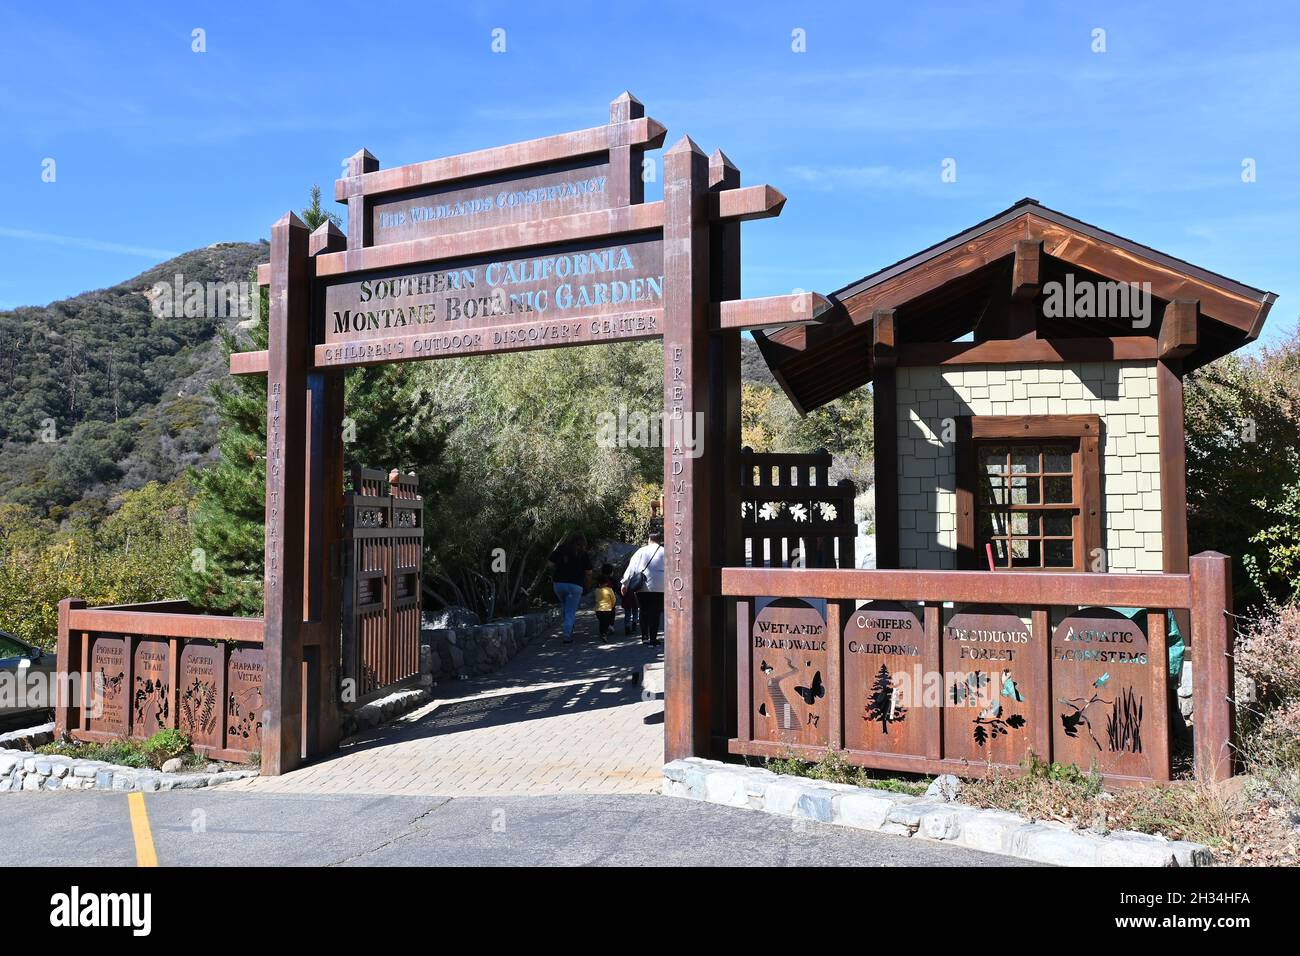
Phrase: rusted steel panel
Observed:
(245, 698)
(884, 655)
(151, 709)
(108, 674)
(788, 673)
(1102, 706)
(991, 703)
(202, 701)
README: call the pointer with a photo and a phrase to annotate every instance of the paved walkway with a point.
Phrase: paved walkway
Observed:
(556, 719)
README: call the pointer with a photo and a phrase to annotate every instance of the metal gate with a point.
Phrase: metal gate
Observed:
(383, 545)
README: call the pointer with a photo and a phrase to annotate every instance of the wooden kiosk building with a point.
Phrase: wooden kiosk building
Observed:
(1030, 510)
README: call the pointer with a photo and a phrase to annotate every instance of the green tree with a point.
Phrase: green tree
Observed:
(229, 517)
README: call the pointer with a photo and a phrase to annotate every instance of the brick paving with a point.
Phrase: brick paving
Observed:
(556, 719)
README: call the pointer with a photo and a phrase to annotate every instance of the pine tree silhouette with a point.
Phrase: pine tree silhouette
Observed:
(880, 706)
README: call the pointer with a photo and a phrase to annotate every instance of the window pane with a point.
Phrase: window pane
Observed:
(1058, 554)
(1022, 522)
(1056, 458)
(993, 460)
(993, 491)
(999, 553)
(1024, 491)
(1058, 491)
(1024, 458)
(1024, 554)
(1058, 523)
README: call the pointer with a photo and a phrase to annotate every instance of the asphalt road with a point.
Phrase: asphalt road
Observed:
(244, 829)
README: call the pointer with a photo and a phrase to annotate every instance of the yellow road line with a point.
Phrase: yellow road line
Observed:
(145, 855)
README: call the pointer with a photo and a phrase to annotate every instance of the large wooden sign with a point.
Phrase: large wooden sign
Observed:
(1100, 692)
(788, 671)
(551, 297)
(493, 201)
(151, 691)
(883, 660)
(987, 662)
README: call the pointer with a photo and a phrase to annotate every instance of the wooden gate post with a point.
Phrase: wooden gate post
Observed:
(686, 478)
(726, 542)
(322, 593)
(1211, 643)
(288, 344)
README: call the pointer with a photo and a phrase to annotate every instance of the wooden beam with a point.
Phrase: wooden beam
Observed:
(264, 273)
(749, 202)
(626, 184)
(1178, 333)
(723, 423)
(1024, 273)
(1028, 351)
(1023, 587)
(687, 498)
(884, 423)
(286, 423)
(360, 228)
(779, 310)
(209, 627)
(248, 363)
(643, 132)
(1167, 281)
(558, 230)
(1211, 642)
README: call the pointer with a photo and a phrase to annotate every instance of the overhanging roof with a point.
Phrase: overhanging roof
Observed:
(933, 292)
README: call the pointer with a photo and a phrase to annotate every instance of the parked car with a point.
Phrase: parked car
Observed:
(20, 694)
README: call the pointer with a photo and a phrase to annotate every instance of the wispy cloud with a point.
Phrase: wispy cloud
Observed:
(95, 245)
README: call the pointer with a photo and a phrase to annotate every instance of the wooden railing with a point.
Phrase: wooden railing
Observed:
(952, 671)
(131, 670)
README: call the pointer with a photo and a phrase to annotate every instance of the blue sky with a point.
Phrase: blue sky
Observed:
(160, 149)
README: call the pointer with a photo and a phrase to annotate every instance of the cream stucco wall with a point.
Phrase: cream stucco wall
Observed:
(1123, 394)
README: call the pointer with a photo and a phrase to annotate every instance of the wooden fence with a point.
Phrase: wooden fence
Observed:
(952, 671)
(791, 513)
(132, 670)
(383, 539)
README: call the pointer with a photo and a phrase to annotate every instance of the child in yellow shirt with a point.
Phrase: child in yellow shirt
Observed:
(606, 600)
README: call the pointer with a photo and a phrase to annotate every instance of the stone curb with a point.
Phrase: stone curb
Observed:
(23, 770)
(28, 739)
(926, 818)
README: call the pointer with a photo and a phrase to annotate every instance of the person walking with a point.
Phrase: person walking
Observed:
(644, 577)
(606, 600)
(571, 577)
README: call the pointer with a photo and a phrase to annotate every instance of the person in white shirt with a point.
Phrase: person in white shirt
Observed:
(645, 578)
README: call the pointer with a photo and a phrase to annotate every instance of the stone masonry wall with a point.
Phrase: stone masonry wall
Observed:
(1122, 393)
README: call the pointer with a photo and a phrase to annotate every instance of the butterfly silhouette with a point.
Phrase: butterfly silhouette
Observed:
(766, 668)
(810, 694)
(1101, 680)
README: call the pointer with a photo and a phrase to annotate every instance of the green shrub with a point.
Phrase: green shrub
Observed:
(165, 745)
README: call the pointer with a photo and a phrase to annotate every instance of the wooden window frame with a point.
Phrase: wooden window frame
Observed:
(1085, 429)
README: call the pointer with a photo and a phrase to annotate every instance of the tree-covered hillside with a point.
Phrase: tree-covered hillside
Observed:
(104, 395)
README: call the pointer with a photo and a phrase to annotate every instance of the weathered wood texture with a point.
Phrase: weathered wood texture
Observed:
(687, 491)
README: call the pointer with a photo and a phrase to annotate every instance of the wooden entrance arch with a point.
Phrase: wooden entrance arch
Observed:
(541, 244)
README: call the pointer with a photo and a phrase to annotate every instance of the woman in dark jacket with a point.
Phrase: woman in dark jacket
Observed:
(572, 576)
